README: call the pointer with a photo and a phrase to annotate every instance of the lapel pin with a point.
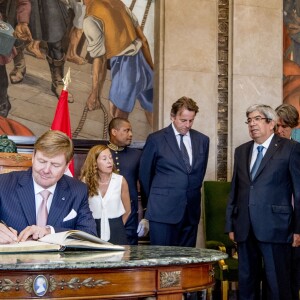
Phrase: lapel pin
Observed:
(63, 198)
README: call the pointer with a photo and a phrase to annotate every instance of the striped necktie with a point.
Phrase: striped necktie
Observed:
(185, 154)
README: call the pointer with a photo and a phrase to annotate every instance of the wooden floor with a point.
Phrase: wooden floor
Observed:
(33, 103)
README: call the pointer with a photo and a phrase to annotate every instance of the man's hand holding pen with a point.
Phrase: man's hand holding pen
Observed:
(8, 235)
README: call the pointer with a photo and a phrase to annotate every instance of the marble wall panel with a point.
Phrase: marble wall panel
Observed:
(256, 62)
(191, 33)
(248, 90)
(189, 37)
(257, 48)
(259, 3)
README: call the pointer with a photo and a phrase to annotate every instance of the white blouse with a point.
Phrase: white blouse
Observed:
(108, 207)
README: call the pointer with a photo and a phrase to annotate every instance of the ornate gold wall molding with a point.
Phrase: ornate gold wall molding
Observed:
(223, 78)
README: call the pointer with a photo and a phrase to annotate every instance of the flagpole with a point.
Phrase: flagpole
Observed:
(61, 119)
(66, 80)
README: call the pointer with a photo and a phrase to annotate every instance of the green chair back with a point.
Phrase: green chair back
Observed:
(215, 200)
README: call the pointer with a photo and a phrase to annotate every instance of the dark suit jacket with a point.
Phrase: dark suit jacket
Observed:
(163, 176)
(17, 203)
(265, 202)
(127, 163)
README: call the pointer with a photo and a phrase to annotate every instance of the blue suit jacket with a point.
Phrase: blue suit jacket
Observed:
(17, 203)
(265, 202)
(170, 189)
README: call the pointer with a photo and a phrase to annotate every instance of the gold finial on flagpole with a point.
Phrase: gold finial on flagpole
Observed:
(67, 79)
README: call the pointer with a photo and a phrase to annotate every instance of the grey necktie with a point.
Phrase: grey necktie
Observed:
(42, 215)
(185, 154)
(257, 162)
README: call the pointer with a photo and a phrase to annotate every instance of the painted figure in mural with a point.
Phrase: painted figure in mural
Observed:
(21, 12)
(291, 56)
(76, 32)
(291, 19)
(34, 49)
(21, 27)
(48, 21)
(113, 33)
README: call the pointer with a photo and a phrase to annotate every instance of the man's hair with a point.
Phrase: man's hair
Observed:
(54, 142)
(184, 103)
(289, 114)
(116, 123)
(266, 110)
(89, 171)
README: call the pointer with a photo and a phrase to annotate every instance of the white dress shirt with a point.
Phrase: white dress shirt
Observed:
(187, 142)
(265, 144)
(39, 198)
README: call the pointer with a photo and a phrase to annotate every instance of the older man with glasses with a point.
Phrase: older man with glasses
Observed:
(260, 216)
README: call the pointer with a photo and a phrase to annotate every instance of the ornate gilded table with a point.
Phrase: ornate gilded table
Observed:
(139, 271)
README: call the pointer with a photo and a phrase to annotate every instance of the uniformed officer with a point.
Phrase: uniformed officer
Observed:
(127, 160)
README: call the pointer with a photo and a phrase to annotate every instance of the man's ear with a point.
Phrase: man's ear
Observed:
(114, 132)
(67, 166)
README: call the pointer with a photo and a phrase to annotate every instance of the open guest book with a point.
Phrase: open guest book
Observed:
(66, 240)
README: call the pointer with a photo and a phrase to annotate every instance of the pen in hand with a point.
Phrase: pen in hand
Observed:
(2, 222)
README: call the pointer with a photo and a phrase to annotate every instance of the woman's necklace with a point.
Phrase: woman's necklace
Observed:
(105, 182)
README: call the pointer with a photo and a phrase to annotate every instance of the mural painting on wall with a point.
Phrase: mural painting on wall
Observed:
(291, 56)
(108, 45)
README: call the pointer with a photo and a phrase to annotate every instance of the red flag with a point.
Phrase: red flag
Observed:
(61, 120)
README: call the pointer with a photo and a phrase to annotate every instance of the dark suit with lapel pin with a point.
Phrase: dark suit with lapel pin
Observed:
(173, 194)
(261, 210)
(69, 208)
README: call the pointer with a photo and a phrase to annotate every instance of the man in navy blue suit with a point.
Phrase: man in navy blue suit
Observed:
(127, 161)
(22, 203)
(172, 168)
(260, 216)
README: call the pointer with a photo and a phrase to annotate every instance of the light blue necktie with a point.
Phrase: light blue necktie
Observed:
(257, 162)
(185, 154)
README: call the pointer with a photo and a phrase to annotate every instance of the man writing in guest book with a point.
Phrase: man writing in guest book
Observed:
(42, 200)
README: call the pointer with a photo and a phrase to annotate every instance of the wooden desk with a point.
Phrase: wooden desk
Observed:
(164, 272)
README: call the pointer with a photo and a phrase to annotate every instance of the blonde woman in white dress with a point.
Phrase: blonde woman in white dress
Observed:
(109, 198)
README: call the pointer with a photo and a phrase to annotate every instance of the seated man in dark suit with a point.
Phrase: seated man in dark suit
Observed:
(25, 210)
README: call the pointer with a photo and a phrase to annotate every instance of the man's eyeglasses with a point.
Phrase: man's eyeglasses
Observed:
(256, 119)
